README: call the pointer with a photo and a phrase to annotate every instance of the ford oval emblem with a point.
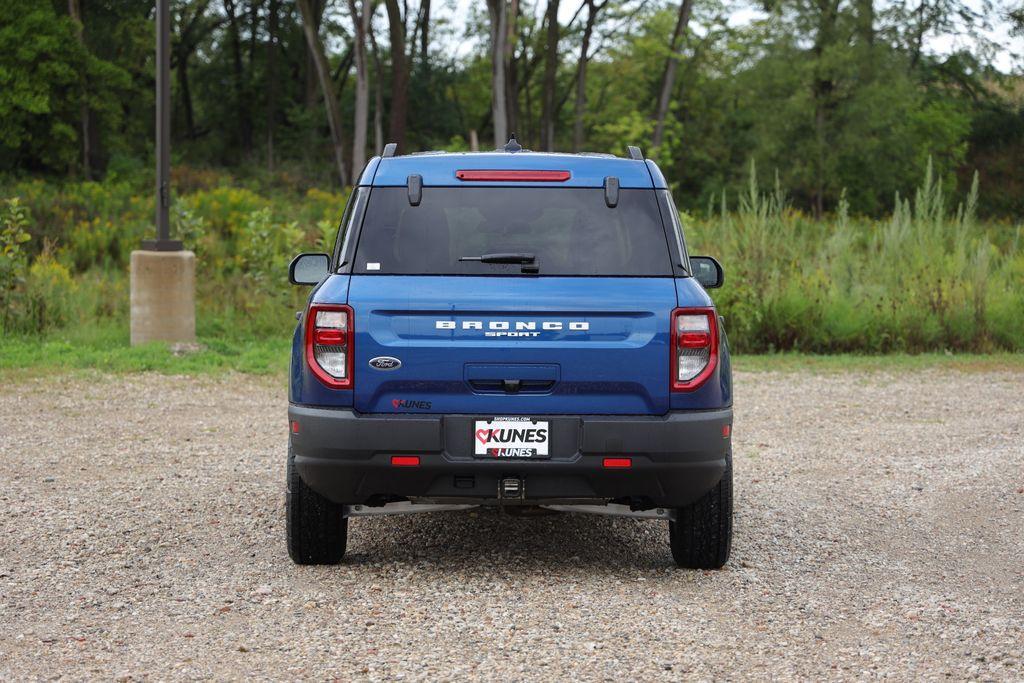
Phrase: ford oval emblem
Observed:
(385, 363)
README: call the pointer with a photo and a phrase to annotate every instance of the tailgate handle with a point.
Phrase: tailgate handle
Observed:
(501, 378)
(512, 386)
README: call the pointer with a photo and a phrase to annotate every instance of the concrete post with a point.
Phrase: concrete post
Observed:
(163, 296)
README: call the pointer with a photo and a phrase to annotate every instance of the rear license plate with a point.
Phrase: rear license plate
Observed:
(511, 437)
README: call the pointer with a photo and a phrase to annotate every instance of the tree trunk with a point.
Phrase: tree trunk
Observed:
(425, 30)
(75, 11)
(511, 68)
(361, 22)
(323, 73)
(312, 80)
(399, 74)
(581, 76)
(254, 24)
(241, 105)
(190, 33)
(378, 94)
(272, 20)
(866, 21)
(185, 91)
(822, 90)
(498, 10)
(547, 110)
(668, 79)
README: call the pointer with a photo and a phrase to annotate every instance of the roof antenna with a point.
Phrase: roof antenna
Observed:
(513, 144)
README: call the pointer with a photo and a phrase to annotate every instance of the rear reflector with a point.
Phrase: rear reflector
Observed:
(521, 176)
(295, 426)
(618, 463)
(405, 461)
(726, 431)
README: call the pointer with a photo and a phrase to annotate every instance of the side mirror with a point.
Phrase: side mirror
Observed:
(309, 269)
(708, 271)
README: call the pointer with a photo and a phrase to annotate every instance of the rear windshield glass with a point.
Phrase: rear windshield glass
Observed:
(570, 231)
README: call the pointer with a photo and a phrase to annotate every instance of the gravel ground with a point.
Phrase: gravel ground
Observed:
(879, 533)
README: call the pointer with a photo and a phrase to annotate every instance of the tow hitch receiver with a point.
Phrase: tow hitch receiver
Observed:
(511, 488)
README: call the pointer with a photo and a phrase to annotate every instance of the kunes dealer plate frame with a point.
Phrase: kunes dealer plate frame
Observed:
(512, 438)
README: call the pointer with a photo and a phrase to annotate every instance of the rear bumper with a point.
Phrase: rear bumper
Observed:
(346, 456)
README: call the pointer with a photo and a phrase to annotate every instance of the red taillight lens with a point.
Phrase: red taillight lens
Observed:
(694, 347)
(329, 344)
(694, 340)
(520, 176)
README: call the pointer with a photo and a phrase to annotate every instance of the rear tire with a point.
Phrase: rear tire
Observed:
(317, 528)
(701, 535)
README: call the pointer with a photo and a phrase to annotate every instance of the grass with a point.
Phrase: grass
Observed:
(106, 348)
(897, 362)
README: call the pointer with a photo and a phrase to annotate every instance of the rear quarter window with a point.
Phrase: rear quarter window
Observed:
(570, 231)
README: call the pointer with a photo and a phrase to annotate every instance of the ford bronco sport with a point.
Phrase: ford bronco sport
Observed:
(511, 329)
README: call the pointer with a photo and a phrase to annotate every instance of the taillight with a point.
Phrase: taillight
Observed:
(329, 344)
(694, 347)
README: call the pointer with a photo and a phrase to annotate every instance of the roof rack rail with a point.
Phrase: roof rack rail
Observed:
(389, 150)
(635, 153)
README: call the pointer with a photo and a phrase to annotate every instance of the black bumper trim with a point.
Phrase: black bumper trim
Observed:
(346, 456)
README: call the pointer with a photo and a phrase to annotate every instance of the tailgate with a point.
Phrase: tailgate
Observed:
(511, 345)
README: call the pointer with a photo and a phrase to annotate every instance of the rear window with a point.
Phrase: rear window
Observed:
(570, 231)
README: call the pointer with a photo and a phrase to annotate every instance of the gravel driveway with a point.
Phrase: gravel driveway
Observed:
(880, 532)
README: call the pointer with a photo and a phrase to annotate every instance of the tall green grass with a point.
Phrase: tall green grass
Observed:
(930, 277)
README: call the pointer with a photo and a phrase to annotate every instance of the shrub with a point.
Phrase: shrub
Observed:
(13, 258)
(50, 295)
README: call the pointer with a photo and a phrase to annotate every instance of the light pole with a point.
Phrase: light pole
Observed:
(163, 242)
(163, 274)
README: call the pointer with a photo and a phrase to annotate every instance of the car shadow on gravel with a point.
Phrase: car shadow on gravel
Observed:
(484, 535)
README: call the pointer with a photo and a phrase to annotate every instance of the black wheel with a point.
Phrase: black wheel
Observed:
(701, 536)
(317, 530)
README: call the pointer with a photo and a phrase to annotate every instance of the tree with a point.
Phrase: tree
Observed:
(323, 72)
(378, 93)
(361, 22)
(75, 12)
(193, 27)
(593, 9)
(41, 95)
(399, 74)
(1016, 17)
(668, 78)
(272, 26)
(547, 116)
(424, 23)
(241, 104)
(498, 10)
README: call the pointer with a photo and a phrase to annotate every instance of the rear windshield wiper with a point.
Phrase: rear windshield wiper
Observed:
(501, 258)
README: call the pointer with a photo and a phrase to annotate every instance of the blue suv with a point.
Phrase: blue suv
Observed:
(510, 329)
